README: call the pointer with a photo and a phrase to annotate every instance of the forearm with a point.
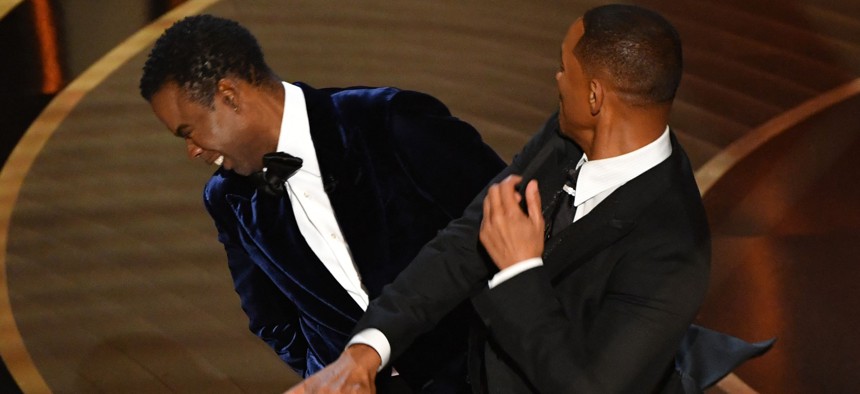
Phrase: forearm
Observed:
(446, 272)
(271, 316)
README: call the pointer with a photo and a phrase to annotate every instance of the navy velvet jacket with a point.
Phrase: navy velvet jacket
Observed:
(397, 168)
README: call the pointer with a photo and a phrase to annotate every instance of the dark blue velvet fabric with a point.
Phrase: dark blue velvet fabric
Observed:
(706, 356)
(397, 167)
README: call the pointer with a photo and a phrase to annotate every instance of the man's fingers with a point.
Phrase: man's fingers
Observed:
(491, 202)
(533, 203)
(509, 196)
(512, 179)
(502, 198)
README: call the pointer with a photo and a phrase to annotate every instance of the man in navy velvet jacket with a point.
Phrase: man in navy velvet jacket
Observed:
(381, 171)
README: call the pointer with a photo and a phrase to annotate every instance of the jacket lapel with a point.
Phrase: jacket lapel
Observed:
(611, 219)
(352, 191)
(273, 231)
(573, 246)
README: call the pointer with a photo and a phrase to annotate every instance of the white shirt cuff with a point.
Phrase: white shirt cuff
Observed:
(514, 270)
(375, 339)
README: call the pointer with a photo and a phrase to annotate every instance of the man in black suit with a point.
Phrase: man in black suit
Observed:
(587, 281)
(311, 240)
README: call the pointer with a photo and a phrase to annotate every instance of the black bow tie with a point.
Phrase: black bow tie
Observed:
(277, 168)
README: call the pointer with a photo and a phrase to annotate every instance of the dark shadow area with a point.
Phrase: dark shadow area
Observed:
(21, 76)
(45, 46)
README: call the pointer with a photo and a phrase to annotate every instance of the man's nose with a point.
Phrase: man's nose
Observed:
(194, 151)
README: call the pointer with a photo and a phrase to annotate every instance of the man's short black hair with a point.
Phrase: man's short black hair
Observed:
(637, 49)
(198, 51)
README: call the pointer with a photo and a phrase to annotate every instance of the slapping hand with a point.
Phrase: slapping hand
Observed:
(352, 373)
(508, 233)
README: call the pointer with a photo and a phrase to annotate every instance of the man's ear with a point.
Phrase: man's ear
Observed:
(595, 96)
(227, 91)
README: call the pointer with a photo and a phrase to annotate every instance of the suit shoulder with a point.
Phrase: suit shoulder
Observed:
(679, 206)
(364, 105)
(409, 101)
(362, 96)
(388, 99)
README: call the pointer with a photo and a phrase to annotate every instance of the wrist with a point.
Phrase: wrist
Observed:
(364, 356)
(514, 260)
(514, 270)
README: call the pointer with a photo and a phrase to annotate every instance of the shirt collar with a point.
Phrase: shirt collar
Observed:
(597, 176)
(295, 135)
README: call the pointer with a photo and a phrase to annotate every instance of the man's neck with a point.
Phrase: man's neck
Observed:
(618, 135)
(268, 107)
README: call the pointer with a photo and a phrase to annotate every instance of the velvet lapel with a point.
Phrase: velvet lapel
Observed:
(349, 183)
(272, 228)
(611, 219)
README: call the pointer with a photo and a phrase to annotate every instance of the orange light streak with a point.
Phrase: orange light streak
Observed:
(46, 33)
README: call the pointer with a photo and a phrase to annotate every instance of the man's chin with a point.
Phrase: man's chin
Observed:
(562, 122)
(244, 171)
(563, 128)
(230, 167)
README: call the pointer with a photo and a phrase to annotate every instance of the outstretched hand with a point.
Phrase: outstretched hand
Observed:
(353, 372)
(508, 234)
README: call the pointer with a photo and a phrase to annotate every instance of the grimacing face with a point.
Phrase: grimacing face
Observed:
(209, 134)
(573, 87)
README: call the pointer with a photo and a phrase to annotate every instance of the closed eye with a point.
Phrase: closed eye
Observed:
(183, 131)
(560, 61)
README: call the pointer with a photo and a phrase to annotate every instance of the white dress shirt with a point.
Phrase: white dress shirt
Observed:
(310, 203)
(597, 179)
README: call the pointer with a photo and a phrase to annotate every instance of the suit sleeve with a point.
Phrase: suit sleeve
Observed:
(652, 294)
(272, 317)
(447, 271)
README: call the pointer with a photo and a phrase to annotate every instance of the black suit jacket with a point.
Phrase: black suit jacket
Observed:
(608, 309)
(397, 167)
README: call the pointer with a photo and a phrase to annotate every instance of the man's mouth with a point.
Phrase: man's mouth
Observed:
(218, 161)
